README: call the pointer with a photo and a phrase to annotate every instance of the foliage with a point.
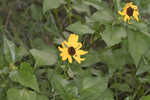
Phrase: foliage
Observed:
(117, 66)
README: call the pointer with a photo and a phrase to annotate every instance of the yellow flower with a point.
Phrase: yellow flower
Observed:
(71, 48)
(129, 12)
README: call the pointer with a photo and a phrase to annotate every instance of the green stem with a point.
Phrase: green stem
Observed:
(58, 19)
(69, 9)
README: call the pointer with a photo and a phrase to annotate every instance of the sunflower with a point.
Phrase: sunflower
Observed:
(71, 48)
(129, 12)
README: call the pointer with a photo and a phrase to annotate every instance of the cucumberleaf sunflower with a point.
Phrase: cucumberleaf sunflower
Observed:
(129, 12)
(71, 48)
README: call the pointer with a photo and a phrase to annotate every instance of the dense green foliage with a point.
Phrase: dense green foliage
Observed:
(117, 66)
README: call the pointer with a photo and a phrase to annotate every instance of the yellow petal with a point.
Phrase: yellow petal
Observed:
(121, 13)
(60, 49)
(64, 57)
(134, 7)
(81, 52)
(73, 38)
(136, 13)
(78, 46)
(65, 44)
(136, 17)
(69, 59)
(78, 59)
(125, 18)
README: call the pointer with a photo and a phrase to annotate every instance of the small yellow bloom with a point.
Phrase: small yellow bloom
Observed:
(71, 48)
(129, 12)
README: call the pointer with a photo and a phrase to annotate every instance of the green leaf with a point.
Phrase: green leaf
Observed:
(104, 16)
(80, 6)
(36, 12)
(106, 95)
(61, 85)
(80, 28)
(50, 4)
(39, 44)
(44, 57)
(93, 87)
(41, 97)
(21, 52)
(145, 6)
(12, 53)
(91, 58)
(144, 79)
(121, 86)
(145, 97)
(98, 4)
(141, 26)
(113, 35)
(88, 83)
(142, 69)
(110, 57)
(25, 76)
(20, 94)
(138, 44)
(9, 50)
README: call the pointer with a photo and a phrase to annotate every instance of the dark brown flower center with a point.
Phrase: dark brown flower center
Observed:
(71, 51)
(129, 11)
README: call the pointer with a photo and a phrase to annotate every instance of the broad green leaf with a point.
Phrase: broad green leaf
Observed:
(138, 44)
(41, 97)
(93, 87)
(121, 86)
(20, 94)
(110, 57)
(141, 26)
(144, 64)
(147, 10)
(143, 67)
(36, 12)
(12, 53)
(9, 50)
(88, 83)
(144, 79)
(145, 97)
(98, 4)
(145, 6)
(113, 35)
(44, 57)
(104, 16)
(106, 95)
(39, 44)
(91, 58)
(50, 4)
(21, 51)
(79, 28)
(61, 86)
(25, 76)
(80, 6)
